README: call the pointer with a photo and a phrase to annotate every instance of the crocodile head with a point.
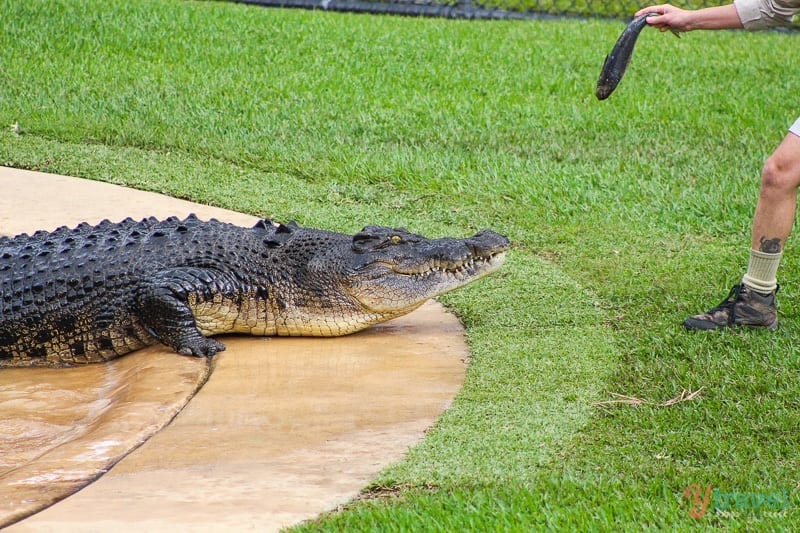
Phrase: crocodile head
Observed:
(377, 274)
(394, 271)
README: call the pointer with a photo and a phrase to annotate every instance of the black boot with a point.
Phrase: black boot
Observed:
(742, 307)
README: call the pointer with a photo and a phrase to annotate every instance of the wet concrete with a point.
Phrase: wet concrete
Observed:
(283, 429)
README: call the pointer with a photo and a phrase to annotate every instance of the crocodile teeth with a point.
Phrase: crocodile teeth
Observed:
(459, 270)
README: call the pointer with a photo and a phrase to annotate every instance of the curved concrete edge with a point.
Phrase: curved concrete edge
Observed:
(284, 429)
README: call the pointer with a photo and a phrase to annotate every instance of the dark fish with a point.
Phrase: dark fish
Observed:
(617, 61)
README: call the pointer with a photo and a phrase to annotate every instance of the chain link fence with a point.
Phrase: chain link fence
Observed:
(594, 8)
(486, 9)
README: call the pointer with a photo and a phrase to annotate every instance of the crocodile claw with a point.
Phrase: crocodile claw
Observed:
(201, 347)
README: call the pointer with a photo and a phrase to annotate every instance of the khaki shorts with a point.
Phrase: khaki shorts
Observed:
(795, 128)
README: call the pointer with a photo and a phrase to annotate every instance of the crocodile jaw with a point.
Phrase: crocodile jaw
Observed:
(393, 291)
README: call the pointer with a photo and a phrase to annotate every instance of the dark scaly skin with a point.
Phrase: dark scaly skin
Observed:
(617, 60)
(93, 293)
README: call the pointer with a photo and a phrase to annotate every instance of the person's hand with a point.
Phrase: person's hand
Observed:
(669, 18)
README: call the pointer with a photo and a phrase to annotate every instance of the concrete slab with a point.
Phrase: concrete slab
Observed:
(283, 429)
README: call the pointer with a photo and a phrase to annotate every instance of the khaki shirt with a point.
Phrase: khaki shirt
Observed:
(761, 14)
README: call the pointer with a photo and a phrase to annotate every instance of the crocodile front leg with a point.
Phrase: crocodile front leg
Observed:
(163, 308)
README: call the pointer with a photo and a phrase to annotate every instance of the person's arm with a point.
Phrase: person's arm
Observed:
(676, 19)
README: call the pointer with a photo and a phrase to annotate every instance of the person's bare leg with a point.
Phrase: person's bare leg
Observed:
(777, 199)
(774, 215)
(752, 303)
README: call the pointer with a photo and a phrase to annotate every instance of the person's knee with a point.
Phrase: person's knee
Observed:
(777, 175)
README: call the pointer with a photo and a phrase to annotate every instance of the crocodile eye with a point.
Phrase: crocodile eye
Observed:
(396, 239)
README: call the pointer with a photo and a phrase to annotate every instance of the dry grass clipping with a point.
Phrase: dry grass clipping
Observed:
(621, 399)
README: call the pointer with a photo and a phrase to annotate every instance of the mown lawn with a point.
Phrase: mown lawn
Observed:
(625, 215)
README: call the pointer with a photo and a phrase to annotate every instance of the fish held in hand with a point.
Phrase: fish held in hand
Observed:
(617, 60)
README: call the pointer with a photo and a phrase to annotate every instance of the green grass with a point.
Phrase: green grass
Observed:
(625, 215)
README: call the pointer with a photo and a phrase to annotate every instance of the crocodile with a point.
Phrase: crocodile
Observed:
(96, 292)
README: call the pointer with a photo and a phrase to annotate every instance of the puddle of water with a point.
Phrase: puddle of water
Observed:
(62, 428)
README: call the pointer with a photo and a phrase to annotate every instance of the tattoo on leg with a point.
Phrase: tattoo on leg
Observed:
(770, 246)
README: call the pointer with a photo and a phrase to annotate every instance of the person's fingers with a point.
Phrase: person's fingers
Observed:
(660, 9)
